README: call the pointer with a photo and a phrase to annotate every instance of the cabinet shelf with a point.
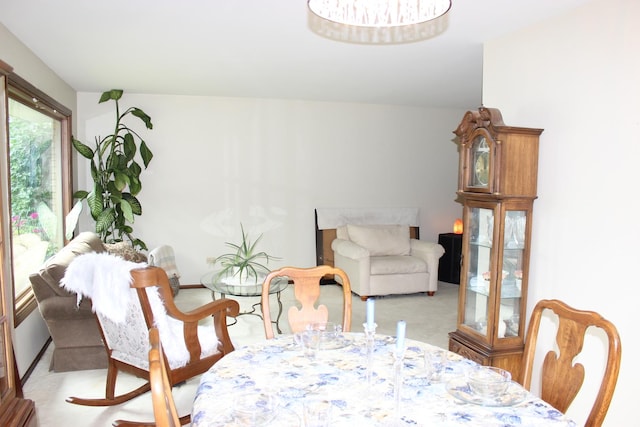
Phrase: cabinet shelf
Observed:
(482, 244)
(509, 291)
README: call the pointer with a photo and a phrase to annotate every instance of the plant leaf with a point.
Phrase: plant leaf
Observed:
(104, 220)
(114, 94)
(121, 180)
(135, 186)
(95, 202)
(95, 175)
(136, 206)
(142, 116)
(80, 194)
(129, 147)
(126, 210)
(146, 154)
(114, 194)
(83, 149)
(134, 169)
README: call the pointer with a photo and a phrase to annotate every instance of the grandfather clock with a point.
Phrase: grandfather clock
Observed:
(497, 181)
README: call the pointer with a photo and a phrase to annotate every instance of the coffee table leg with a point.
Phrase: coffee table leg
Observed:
(213, 295)
(279, 313)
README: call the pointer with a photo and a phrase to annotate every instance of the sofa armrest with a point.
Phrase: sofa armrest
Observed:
(426, 250)
(355, 261)
(429, 252)
(348, 249)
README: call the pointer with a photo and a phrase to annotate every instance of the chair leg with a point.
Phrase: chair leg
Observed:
(112, 375)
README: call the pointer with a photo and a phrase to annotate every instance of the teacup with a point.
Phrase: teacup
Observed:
(489, 381)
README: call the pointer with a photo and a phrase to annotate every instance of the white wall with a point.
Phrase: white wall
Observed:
(32, 333)
(578, 77)
(268, 163)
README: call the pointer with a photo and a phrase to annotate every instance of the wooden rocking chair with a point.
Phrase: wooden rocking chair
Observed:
(127, 343)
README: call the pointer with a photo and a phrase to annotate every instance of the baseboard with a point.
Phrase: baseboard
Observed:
(27, 374)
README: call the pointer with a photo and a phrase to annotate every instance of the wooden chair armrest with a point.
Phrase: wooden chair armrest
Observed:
(227, 306)
(218, 310)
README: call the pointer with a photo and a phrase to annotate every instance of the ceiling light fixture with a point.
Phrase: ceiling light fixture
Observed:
(379, 13)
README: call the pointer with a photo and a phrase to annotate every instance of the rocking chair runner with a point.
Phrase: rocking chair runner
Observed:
(128, 342)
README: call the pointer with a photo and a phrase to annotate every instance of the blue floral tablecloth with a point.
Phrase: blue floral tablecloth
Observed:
(287, 376)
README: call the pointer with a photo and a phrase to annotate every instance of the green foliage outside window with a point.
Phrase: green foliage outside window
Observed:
(29, 144)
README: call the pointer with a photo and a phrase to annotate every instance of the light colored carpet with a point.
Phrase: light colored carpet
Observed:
(429, 319)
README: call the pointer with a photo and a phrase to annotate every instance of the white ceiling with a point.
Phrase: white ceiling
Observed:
(260, 48)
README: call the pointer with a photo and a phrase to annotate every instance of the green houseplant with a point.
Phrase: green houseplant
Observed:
(245, 264)
(115, 170)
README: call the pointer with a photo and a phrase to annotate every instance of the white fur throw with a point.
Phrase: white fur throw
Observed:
(106, 279)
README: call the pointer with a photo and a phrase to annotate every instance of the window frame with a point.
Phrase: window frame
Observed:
(18, 89)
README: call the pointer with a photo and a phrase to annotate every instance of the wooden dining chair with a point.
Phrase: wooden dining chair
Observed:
(164, 407)
(190, 348)
(306, 287)
(561, 379)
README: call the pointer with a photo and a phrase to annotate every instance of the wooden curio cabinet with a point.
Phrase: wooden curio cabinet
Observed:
(497, 187)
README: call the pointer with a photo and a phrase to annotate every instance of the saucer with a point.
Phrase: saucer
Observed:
(460, 389)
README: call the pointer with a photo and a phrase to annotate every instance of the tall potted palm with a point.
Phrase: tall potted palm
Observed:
(115, 170)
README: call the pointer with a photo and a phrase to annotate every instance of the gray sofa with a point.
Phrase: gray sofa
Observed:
(74, 330)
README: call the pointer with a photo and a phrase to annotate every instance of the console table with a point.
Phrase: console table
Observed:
(449, 266)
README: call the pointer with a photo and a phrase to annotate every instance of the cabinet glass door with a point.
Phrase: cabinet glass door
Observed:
(515, 226)
(478, 268)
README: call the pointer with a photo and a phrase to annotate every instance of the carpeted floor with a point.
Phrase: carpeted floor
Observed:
(429, 319)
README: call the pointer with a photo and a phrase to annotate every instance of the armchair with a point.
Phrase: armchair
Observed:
(384, 260)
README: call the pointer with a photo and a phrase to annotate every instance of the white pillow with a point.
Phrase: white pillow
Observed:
(381, 240)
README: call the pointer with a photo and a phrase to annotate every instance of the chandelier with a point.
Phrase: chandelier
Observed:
(379, 13)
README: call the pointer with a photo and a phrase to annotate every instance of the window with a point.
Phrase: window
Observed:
(39, 183)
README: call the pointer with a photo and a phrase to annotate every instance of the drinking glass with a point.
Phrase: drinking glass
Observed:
(435, 363)
(316, 412)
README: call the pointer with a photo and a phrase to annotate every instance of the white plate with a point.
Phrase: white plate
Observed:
(460, 389)
(335, 343)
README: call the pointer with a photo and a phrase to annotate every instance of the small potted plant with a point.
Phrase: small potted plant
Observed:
(245, 265)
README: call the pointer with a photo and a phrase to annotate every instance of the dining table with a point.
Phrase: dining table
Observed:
(367, 382)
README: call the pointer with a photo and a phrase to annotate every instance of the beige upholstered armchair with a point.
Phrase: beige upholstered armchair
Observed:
(384, 260)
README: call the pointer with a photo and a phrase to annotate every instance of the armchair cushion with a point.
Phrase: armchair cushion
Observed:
(397, 264)
(125, 250)
(381, 240)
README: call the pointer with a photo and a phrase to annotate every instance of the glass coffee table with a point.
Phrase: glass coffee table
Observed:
(215, 284)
